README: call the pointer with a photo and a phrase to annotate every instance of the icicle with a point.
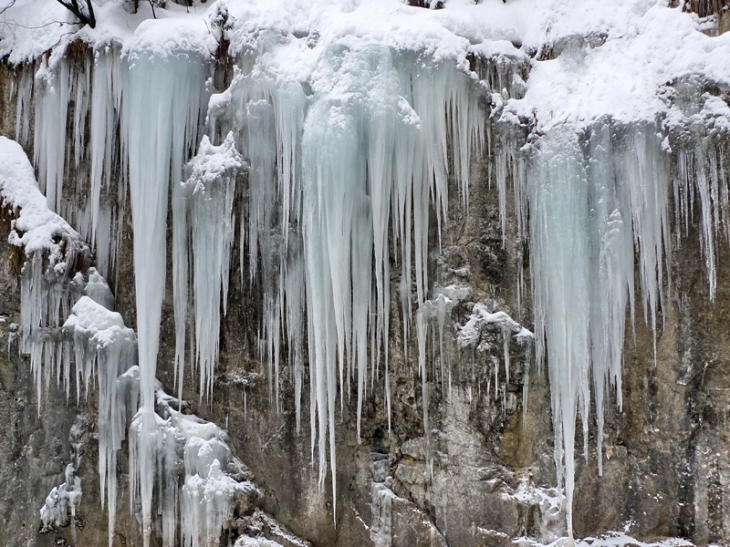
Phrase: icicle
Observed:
(432, 311)
(163, 100)
(158, 134)
(104, 126)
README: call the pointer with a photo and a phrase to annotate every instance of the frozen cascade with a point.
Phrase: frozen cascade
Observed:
(268, 116)
(159, 135)
(374, 147)
(367, 146)
(329, 176)
(594, 200)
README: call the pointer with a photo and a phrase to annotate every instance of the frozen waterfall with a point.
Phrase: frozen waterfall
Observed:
(323, 169)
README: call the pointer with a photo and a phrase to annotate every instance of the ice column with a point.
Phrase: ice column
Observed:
(162, 104)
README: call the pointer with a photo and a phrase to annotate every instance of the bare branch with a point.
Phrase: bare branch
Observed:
(86, 16)
(7, 7)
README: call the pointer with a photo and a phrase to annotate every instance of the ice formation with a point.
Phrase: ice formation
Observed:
(595, 199)
(63, 500)
(203, 206)
(200, 498)
(381, 501)
(104, 347)
(471, 335)
(60, 506)
(351, 130)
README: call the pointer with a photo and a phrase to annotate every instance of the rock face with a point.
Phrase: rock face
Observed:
(483, 473)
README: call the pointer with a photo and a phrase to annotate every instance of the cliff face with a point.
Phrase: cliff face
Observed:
(457, 446)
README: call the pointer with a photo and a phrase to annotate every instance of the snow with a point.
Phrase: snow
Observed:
(36, 228)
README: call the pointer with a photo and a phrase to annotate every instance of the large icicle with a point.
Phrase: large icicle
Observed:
(163, 99)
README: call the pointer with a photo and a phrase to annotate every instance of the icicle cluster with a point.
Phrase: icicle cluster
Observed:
(104, 347)
(594, 200)
(204, 224)
(50, 253)
(59, 98)
(701, 174)
(331, 174)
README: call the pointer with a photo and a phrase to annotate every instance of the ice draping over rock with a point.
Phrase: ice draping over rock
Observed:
(353, 117)
(60, 506)
(200, 483)
(471, 335)
(104, 347)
